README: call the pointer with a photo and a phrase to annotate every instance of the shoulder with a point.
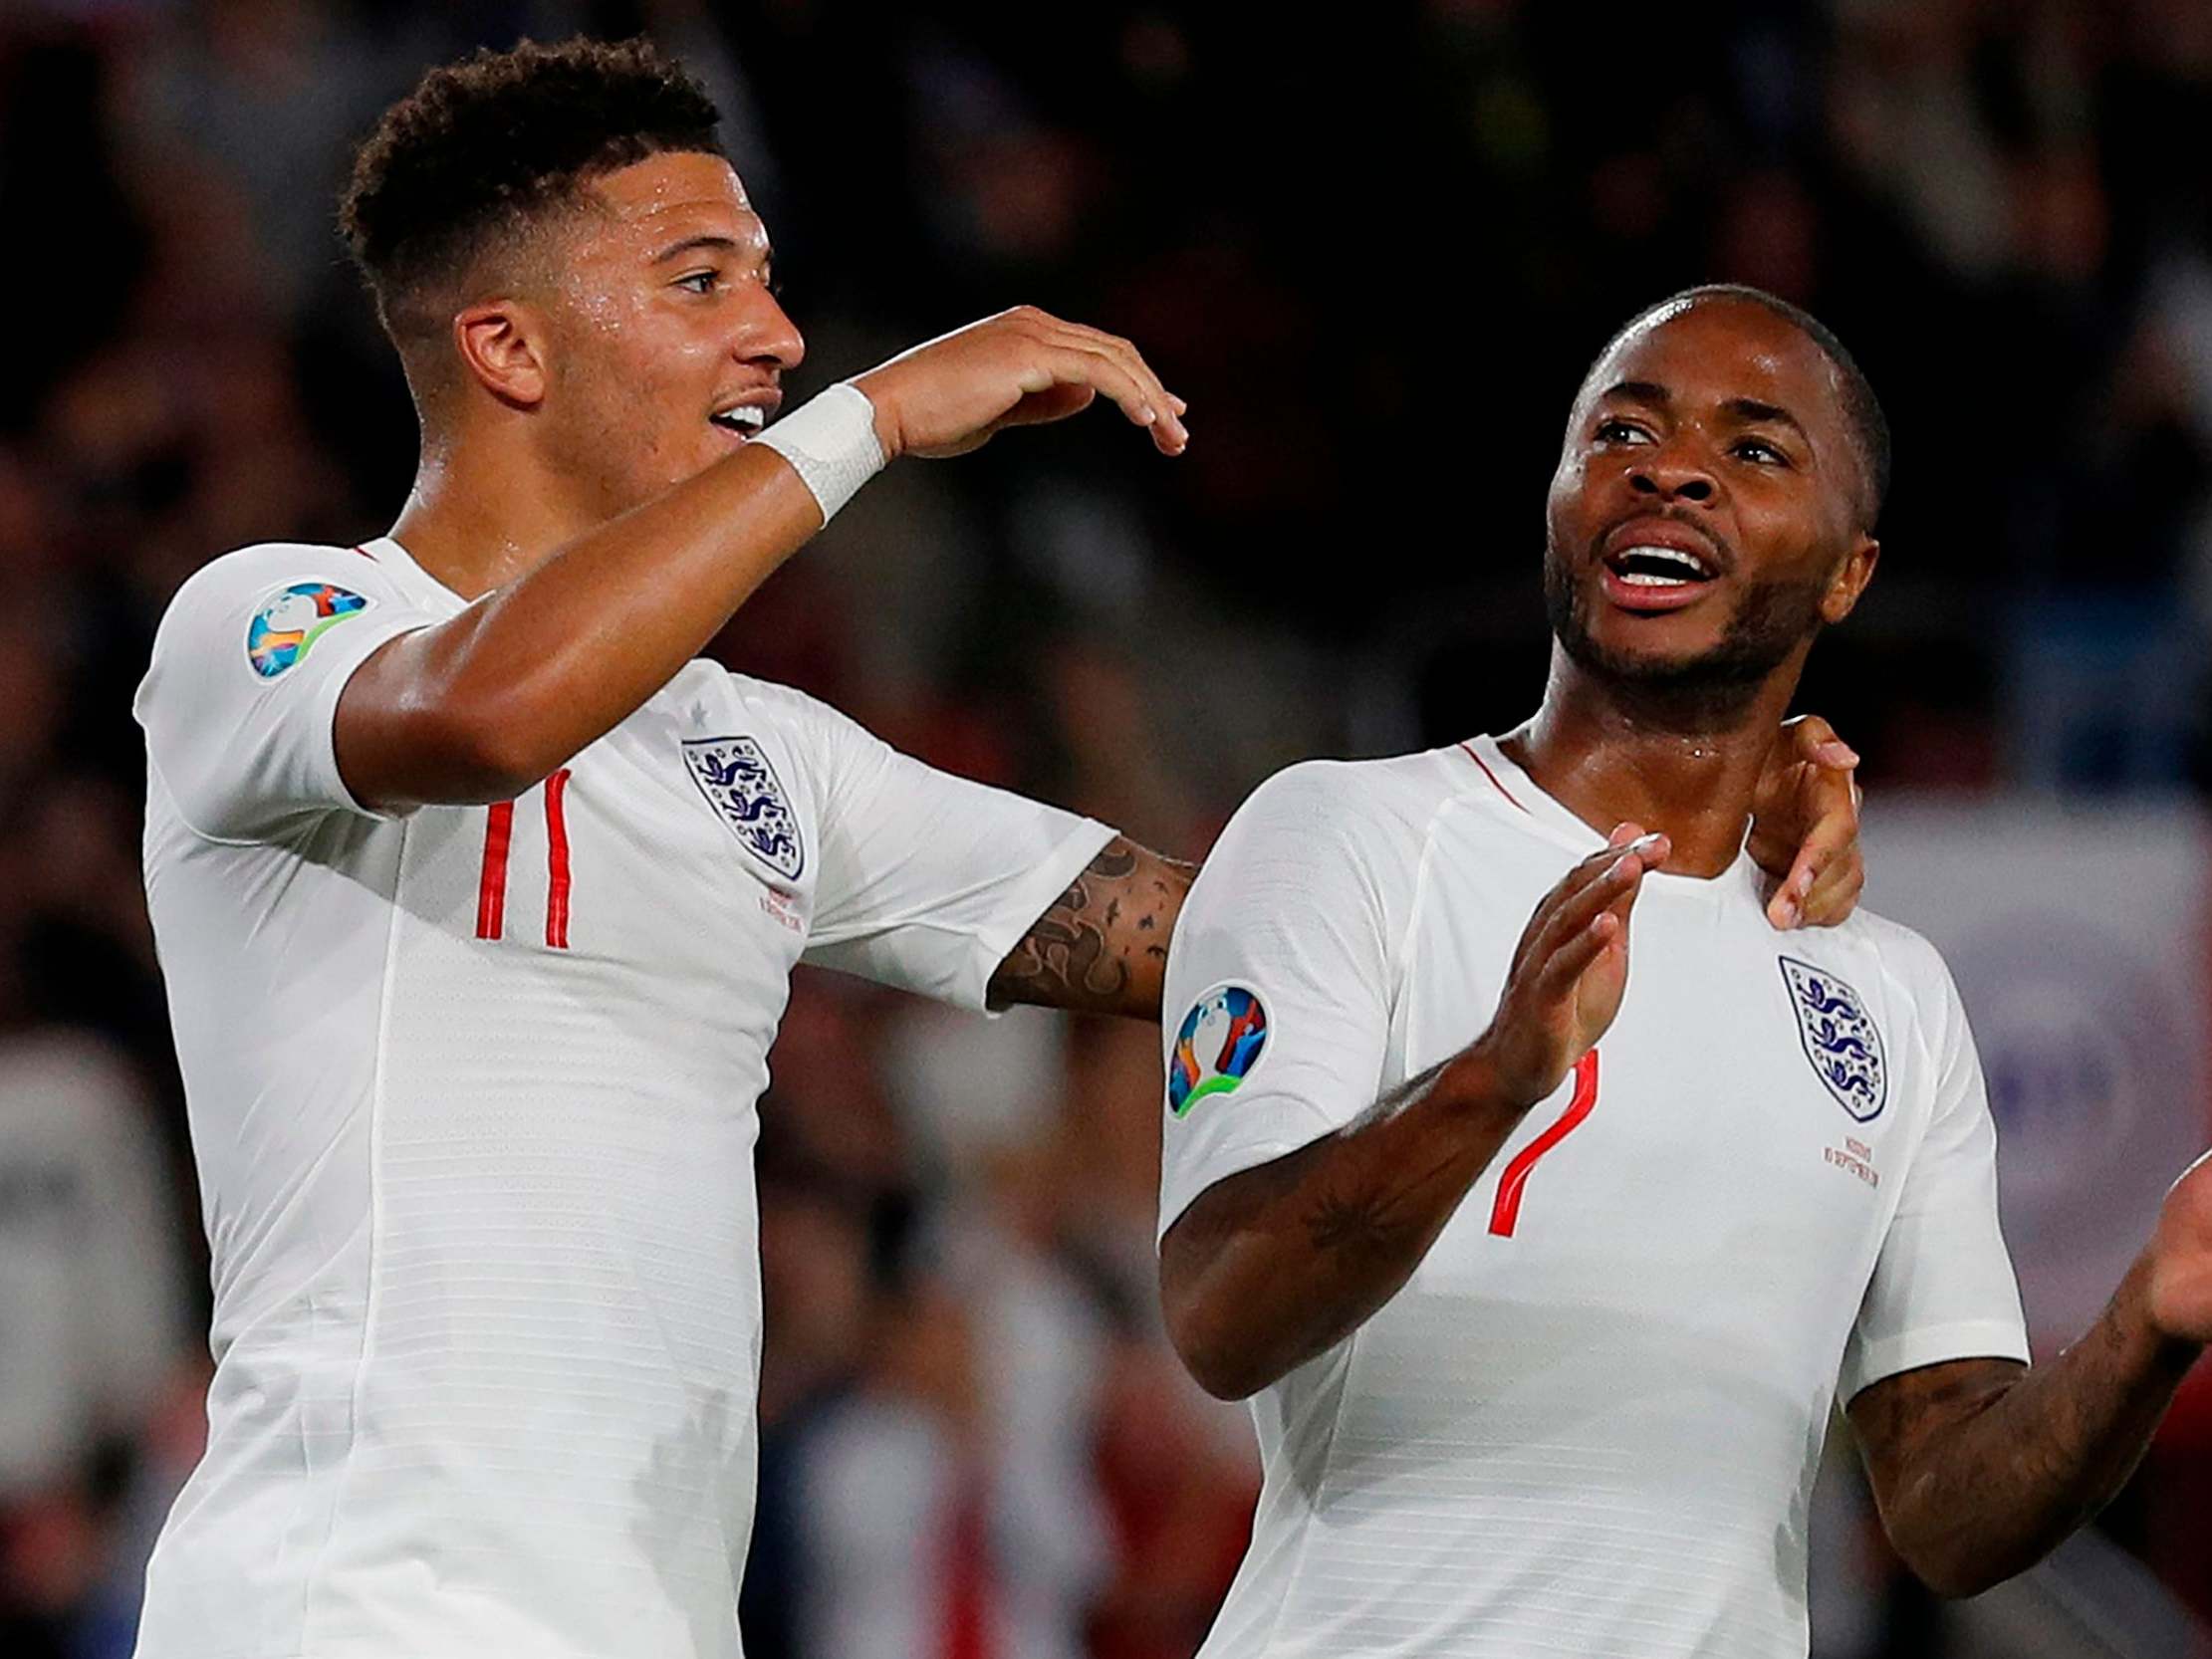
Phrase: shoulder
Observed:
(241, 620)
(1904, 975)
(1379, 804)
(280, 583)
(785, 708)
(268, 566)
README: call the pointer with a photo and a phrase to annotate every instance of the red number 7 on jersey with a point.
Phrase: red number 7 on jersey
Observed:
(1506, 1210)
(491, 888)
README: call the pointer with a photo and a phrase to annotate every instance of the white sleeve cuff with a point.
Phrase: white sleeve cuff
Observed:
(1866, 1363)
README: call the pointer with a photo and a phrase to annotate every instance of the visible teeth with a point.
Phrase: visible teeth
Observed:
(1672, 555)
(744, 415)
(1650, 578)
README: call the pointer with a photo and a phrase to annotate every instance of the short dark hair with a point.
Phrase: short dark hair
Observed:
(1863, 415)
(485, 147)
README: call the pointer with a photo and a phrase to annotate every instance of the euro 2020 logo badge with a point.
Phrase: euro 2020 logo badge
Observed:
(1219, 1043)
(287, 626)
(1840, 1038)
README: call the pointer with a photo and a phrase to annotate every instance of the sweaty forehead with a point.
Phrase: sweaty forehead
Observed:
(678, 195)
(1714, 351)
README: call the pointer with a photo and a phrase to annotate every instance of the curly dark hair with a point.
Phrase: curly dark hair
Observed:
(485, 147)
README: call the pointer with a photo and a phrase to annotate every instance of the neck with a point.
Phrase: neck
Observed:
(480, 514)
(1613, 753)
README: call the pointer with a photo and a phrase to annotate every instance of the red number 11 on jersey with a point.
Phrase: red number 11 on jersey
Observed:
(1505, 1212)
(499, 835)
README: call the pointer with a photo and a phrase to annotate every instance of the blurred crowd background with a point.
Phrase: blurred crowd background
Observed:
(1374, 247)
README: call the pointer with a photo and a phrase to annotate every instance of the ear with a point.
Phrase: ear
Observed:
(502, 347)
(1850, 580)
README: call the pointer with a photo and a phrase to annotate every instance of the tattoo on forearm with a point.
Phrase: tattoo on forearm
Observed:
(1356, 1228)
(1365, 1228)
(1103, 945)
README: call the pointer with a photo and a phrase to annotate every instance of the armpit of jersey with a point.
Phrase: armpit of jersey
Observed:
(286, 624)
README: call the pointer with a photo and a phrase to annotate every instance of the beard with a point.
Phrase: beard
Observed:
(1689, 694)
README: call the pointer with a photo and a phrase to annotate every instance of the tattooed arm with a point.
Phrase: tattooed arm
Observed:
(1272, 1265)
(1102, 946)
(1981, 1467)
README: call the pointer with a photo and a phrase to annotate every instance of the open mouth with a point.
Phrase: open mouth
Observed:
(1649, 577)
(745, 419)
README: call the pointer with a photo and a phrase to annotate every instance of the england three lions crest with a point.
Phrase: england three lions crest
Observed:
(745, 793)
(1840, 1038)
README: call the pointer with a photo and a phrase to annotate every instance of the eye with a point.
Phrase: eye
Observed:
(1612, 430)
(699, 282)
(1761, 451)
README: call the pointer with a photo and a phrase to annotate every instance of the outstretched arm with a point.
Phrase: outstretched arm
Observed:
(1101, 948)
(1981, 1467)
(1274, 1264)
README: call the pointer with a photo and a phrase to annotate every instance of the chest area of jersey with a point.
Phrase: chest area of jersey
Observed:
(658, 846)
(1747, 1103)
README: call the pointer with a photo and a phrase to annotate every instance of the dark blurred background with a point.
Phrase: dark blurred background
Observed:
(1374, 247)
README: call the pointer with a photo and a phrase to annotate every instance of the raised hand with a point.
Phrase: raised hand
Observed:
(1570, 969)
(1804, 826)
(2180, 1288)
(1022, 367)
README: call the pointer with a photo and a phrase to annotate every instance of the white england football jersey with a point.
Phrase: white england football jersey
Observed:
(473, 1094)
(1590, 1423)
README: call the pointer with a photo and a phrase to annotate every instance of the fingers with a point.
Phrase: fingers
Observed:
(1835, 891)
(1128, 379)
(1827, 865)
(1556, 979)
(1813, 740)
(1591, 888)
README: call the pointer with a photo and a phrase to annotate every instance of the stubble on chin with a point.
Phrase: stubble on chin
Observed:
(1698, 692)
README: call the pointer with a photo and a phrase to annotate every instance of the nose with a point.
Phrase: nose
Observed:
(767, 338)
(1672, 475)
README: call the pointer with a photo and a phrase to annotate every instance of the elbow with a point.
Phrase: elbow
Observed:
(1952, 1570)
(1219, 1373)
(1219, 1358)
(1954, 1581)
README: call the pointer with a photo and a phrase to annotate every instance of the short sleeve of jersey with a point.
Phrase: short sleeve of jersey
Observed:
(239, 701)
(1943, 1285)
(927, 880)
(1275, 1017)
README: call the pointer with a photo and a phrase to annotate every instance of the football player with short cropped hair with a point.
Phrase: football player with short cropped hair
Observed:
(1543, 1278)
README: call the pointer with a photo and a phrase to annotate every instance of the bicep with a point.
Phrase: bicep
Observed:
(1101, 947)
(400, 744)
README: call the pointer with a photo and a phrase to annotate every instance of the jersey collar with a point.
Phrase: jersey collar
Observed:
(387, 552)
(1505, 779)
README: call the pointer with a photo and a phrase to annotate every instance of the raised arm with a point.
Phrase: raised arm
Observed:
(1277, 1264)
(484, 705)
(1981, 1467)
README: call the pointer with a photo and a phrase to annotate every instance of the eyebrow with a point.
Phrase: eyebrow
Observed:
(1750, 411)
(699, 244)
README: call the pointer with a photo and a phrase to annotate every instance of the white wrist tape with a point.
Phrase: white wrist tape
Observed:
(829, 441)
